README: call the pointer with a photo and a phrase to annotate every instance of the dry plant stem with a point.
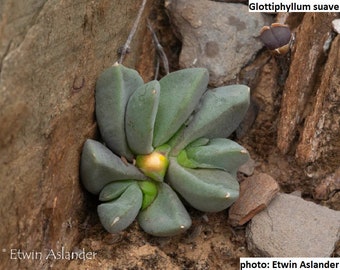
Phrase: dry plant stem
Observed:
(281, 17)
(126, 46)
(157, 68)
(160, 52)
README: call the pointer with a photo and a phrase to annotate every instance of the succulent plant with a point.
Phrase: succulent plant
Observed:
(164, 144)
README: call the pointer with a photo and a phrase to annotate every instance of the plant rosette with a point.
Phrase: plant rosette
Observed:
(173, 134)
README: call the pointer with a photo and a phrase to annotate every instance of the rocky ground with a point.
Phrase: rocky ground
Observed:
(51, 53)
(266, 221)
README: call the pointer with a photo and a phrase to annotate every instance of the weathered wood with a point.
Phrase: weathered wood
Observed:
(308, 126)
(305, 70)
(320, 138)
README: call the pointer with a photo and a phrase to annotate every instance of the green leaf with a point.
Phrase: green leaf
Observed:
(199, 142)
(185, 161)
(180, 94)
(166, 216)
(149, 190)
(118, 214)
(221, 111)
(140, 117)
(114, 190)
(219, 153)
(208, 190)
(99, 166)
(113, 89)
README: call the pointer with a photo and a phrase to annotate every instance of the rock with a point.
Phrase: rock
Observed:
(50, 56)
(218, 36)
(293, 227)
(336, 25)
(248, 167)
(297, 193)
(327, 190)
(256, 192)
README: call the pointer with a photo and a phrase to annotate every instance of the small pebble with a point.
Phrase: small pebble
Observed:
(336, 25)
(248, 167)
(256, 192)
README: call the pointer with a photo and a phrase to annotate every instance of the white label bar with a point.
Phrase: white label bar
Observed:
(294, 6)
(289, 263)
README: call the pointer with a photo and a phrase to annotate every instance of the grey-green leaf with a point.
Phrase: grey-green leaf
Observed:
(180, 94)
(99, 166)
(219, 153)
(117, 215)
(113, 190)
(113, 89)
(208, 190)
(166, 216)
(219, 114)
(140, 117)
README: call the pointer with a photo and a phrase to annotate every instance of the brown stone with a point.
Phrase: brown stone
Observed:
(50, 56)
(256, 192)
(328, 186)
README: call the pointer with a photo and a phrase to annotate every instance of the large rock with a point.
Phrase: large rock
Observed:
(51, 53)
(293, 227)
(219, 36)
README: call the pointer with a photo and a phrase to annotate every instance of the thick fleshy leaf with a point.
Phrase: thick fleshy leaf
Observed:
(221, 111)
(149, 190)
(199, 142)
(140, 117)
(113, 89)
(208, 190)
(219, 153)
(166, 216)
(180, 93)
(118, 214)
(99, 166)
(113, 190)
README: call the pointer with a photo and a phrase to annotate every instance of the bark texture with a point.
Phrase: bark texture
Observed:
(310, 112)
